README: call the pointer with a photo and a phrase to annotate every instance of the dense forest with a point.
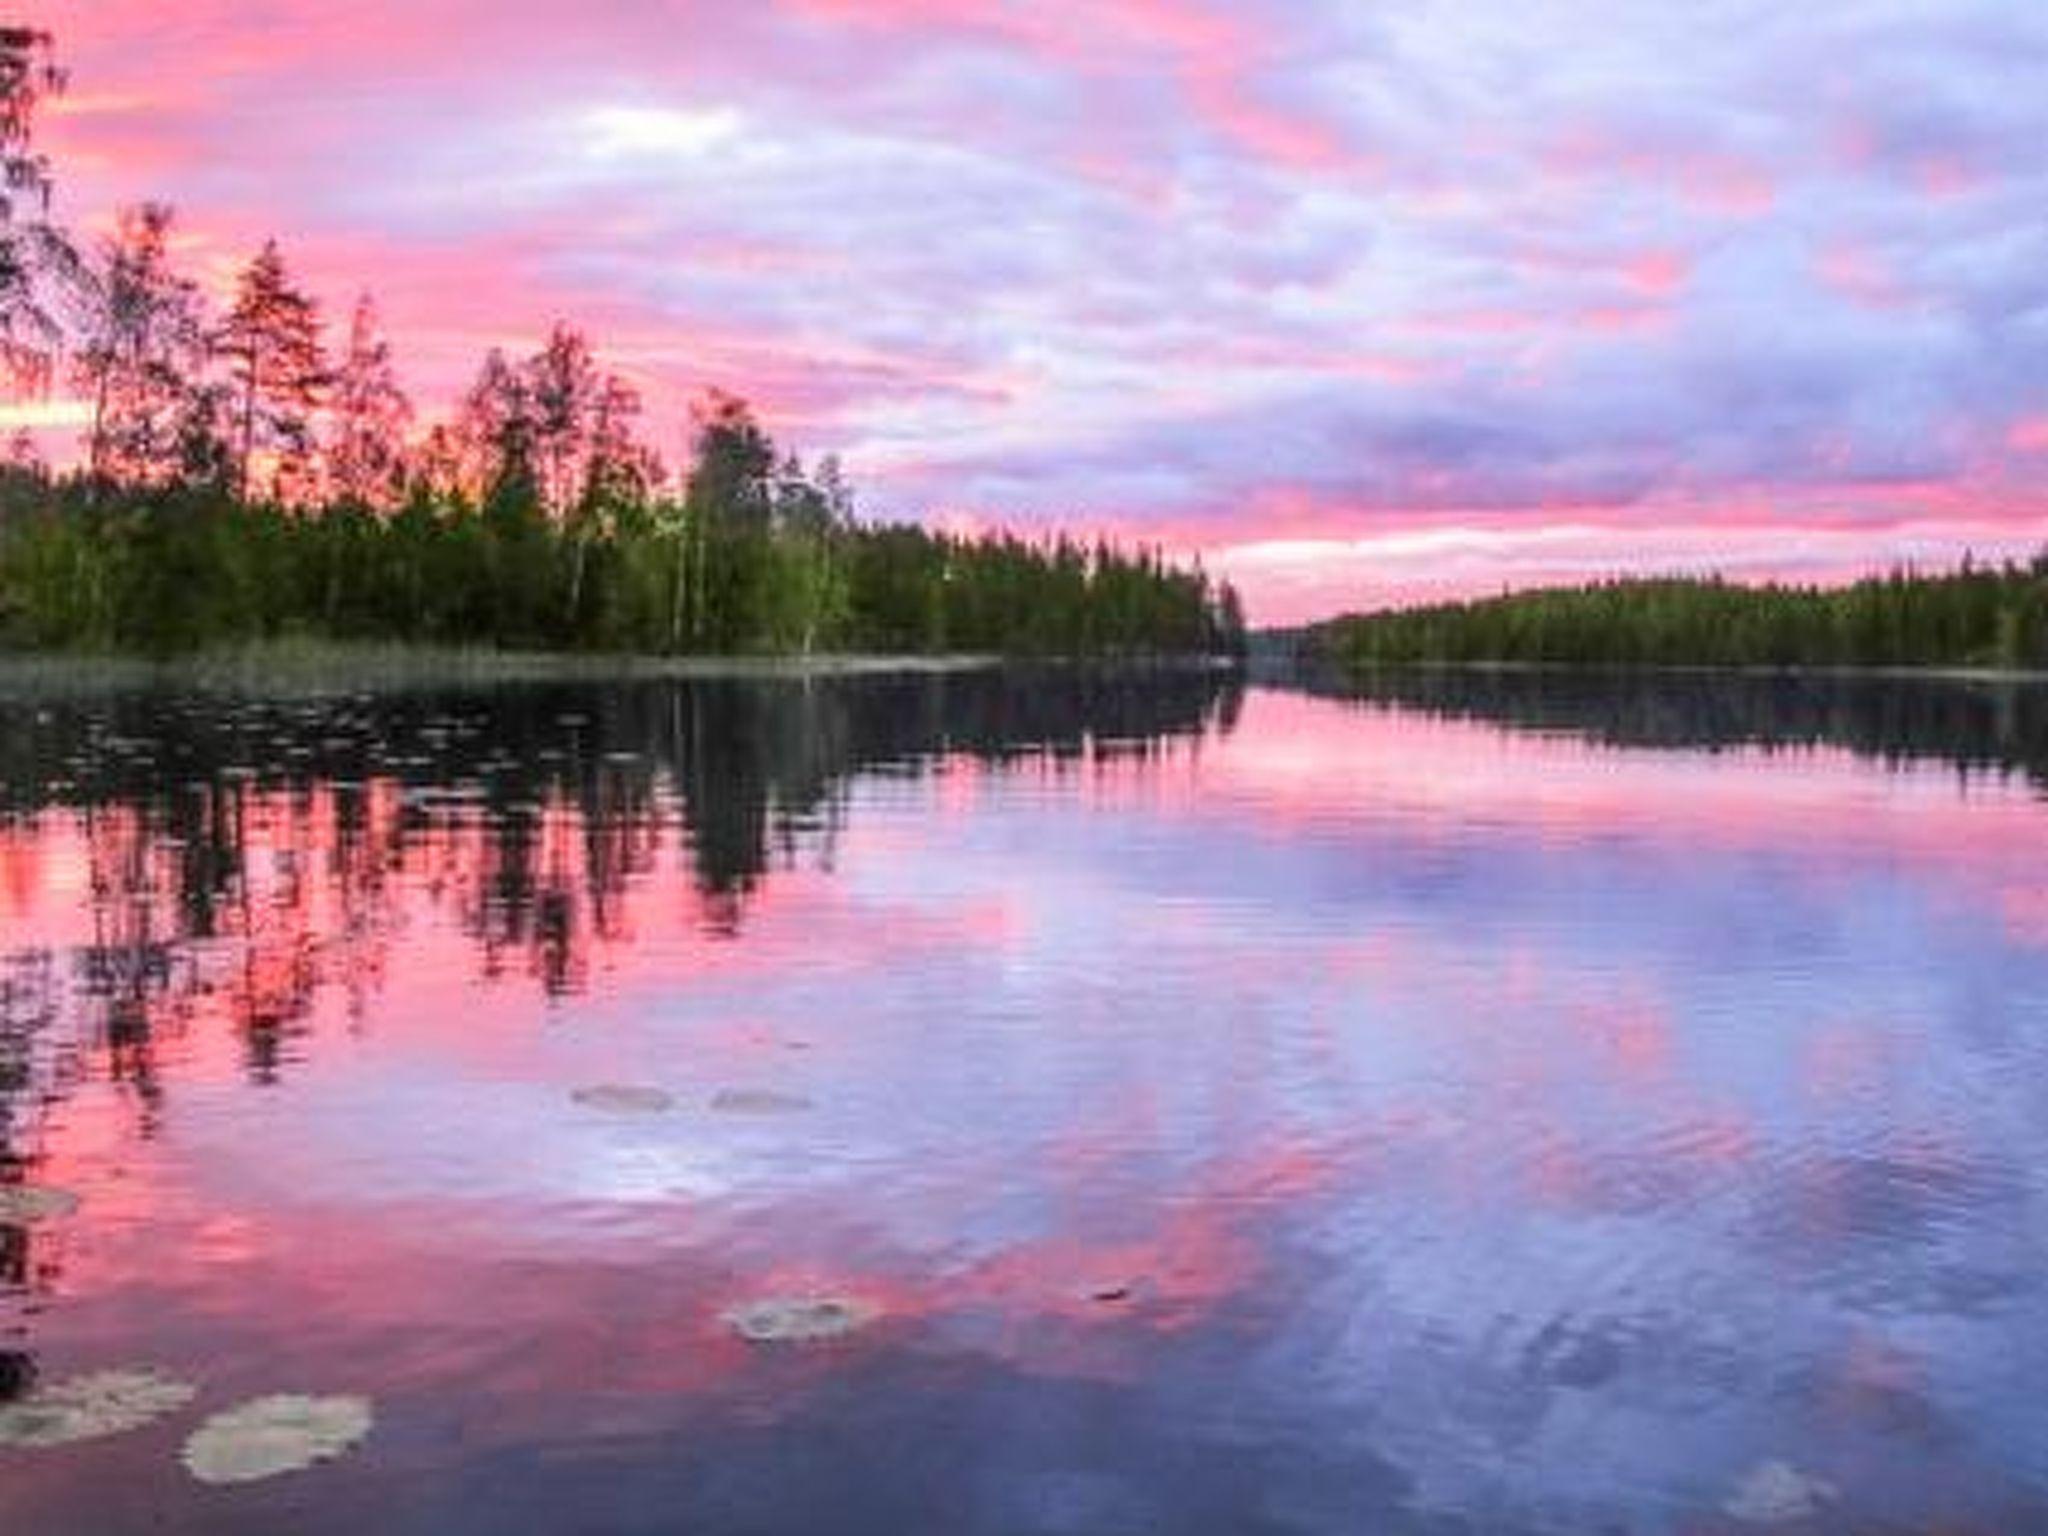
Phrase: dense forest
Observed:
(242, 477)
(1978, 616)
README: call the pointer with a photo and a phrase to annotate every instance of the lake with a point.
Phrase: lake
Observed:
(1037, 1101)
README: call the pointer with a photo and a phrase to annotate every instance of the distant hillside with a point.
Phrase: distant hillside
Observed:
(1978, 616)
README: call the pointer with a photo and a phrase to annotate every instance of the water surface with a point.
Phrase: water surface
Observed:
(1494, 1105)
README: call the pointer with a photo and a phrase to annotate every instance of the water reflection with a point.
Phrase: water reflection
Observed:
(1997, 725)
(1224, 1112)
(240, 855)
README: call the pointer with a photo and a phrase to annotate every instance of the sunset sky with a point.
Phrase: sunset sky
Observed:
(1362, 301)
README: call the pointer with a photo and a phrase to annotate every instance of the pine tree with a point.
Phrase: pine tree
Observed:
(366, 458)
(279, 369)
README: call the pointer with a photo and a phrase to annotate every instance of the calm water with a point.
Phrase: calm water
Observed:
(1498, 1106)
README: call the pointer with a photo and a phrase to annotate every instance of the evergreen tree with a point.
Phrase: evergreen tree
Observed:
(1977, 616)
(278, 366)
(366, 457)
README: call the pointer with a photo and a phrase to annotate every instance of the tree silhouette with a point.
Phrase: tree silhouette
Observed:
(271, 340)
(1980, 615)
(494, 427)
(564, 387)
(366, 457)
(142, 346)
(39, 267)
(620, 474)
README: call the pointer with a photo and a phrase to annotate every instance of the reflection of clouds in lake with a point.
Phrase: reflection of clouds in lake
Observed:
(1527, 1129)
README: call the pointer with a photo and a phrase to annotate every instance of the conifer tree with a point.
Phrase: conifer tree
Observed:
(278, 366)
(366, 458)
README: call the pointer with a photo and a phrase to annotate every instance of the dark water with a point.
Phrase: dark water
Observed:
(1497, 1106)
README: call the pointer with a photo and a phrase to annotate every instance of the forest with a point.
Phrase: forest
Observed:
(1976, 616)
(243, 476)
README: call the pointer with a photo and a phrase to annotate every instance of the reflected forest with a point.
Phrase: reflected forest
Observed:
(1991, 727)
(243, 857)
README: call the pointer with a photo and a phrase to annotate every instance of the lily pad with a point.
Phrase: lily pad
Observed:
(799, 1319)
(1776, 1493)
(272, 1435)
(624, 1099)
(758, 1101)
(23, 1204)
(87, 1407)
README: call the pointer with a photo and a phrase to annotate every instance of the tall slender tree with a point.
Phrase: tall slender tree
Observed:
(622, 469)
(141, 351)
(272, 343)
(370, 415)
(620, 475)
(564, 386)
(728, 507)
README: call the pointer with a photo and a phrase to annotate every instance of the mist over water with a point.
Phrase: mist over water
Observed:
(1040, 1100)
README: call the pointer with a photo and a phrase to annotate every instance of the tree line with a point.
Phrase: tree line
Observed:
(1990, 615)
(241, 476)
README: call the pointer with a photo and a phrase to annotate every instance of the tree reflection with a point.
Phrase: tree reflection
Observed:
(245, 864)
(1992, 725)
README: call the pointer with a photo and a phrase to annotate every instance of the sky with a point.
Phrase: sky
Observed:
(1364, 303)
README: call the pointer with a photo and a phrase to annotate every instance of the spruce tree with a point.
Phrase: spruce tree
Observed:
(366, 457)
(278, 366)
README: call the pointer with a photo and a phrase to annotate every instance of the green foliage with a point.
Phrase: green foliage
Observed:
(1977, 616)
(85, 566)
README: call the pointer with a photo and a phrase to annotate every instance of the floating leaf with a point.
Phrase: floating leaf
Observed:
(758, 1101)
(799, 1319)
(86, 1407)
(1776, 1493)
(23, 1204)
(624, 1099)
(270, 1435)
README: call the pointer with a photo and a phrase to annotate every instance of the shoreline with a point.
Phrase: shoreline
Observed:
(1339, 672)
(321, 666)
